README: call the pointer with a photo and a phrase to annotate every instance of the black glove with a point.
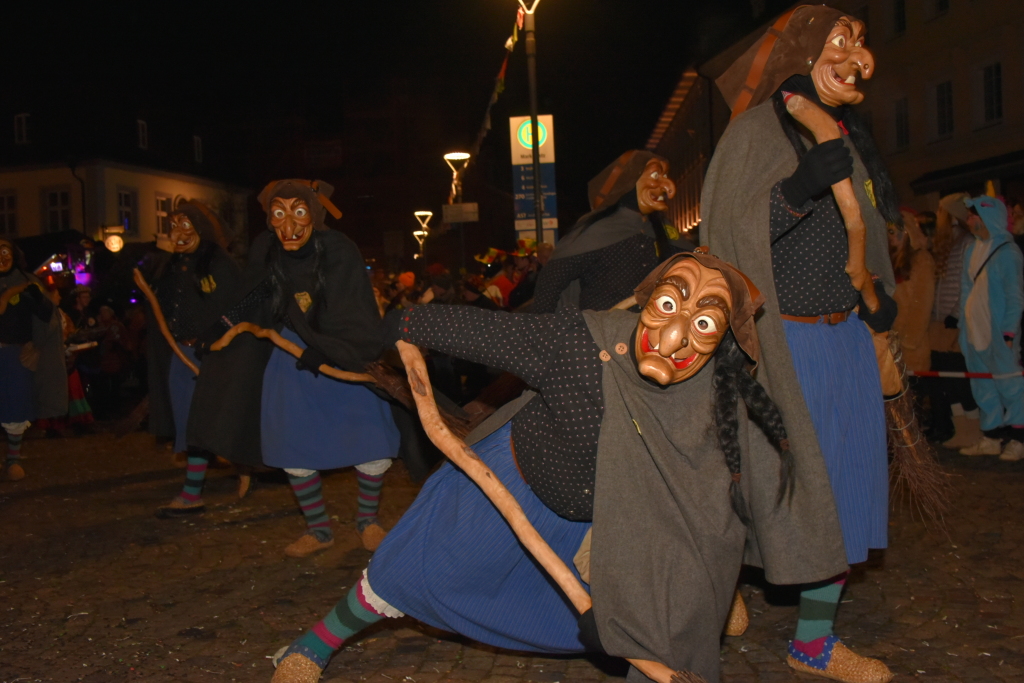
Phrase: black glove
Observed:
(821, 167)
(951, 323)
(311, 359)
(208, 337)
(393, 322)
(882, 319)
(588, 632)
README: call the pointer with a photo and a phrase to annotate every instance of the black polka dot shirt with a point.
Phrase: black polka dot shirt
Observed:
(607, 275)
(556, 433)
(809, 252)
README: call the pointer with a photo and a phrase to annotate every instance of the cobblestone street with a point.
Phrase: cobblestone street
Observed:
(94, 588)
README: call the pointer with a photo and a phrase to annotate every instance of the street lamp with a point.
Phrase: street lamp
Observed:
(457, 162)
(529, 25)
(423, 218)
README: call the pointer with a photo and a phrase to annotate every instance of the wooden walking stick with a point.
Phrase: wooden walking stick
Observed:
(469, 462)
(823, 127)
(162, 322)
(286, 345)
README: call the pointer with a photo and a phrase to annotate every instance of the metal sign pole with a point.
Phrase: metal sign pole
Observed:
(531, 71)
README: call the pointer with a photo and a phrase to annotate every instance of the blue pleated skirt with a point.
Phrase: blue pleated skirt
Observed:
(838, 373)
(181, 384)
(319, 423)
(453, 562)
(16, 387)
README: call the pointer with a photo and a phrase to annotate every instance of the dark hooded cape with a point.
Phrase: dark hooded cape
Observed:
(801, 543)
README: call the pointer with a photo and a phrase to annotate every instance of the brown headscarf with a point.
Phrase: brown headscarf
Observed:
(789, 48)
(206, 222)
(746, 297)
(316, 194)
(618, 178)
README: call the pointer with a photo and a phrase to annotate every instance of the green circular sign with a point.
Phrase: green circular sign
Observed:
(525, 134)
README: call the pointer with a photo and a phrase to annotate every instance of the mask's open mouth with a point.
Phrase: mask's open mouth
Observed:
(645, 346)
(850, 80)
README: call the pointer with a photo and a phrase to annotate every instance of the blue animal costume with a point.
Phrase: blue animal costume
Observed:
(991, 302)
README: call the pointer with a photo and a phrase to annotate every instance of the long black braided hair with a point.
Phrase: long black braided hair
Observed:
(732, 381)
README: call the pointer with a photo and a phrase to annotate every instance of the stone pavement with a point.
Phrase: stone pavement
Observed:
(94, 588)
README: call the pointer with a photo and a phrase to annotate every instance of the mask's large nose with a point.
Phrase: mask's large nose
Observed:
(674, 335)
(864, 61)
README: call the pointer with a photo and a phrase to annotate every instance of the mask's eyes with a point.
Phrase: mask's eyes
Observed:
(666, 304)
(655, 175)
(278, 213)
(705, 324)
(839, 41)
(186, 225)
(301, 212)
(860, 43)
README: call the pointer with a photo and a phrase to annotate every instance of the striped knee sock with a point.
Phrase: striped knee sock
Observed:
(309, 491)
(13, 448)
(817, 616)
(195, 475)
(350, 616)
(369, 498)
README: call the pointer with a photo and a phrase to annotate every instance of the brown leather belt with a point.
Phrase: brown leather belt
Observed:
(826, 318)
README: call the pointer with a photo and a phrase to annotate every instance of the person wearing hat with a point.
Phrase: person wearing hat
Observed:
(767, 207)
(33, 383)
(991, 303)
(192, 285)
(610, 249)
(311, 284)
(630, 430)
(527, 269)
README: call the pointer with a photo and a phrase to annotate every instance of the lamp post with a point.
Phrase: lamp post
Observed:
(423, 218)
(457, 161)
(531, 72)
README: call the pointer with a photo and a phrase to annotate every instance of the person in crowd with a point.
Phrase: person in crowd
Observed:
(767, 207)
(528, 268)
(609, 250)
(310, 283)
(954, 415)
(625, 434)
(991, 304)
(192, 286)
(914, 269)
(33, 383)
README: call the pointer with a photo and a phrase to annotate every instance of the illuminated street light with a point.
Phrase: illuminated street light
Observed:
(423, 218)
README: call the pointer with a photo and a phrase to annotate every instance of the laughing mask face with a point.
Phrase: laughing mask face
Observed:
(683, 322)
(184, 238)
(843, 60)
(654, 187)
(292, 221)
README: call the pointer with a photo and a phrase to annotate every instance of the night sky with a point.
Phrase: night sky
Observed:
(605, 68)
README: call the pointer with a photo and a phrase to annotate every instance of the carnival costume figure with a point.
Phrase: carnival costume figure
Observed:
(625, 432)
(310, 283)
(612, 248)
(768, 208)
(192, 286)
(33, 383)
(991, 302)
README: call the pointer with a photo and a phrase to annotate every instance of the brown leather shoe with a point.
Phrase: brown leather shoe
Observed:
(296, 669)
(847, 666)
(15, 472)
(372, 536)
(738, 620)
(307, 545)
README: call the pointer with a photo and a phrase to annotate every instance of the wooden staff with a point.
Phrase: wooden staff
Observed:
(469, 462)
(162, 322)
(823, 127)
(289, 346)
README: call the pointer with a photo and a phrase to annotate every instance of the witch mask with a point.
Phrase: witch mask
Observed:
(184, 236)
(843, 62)
(690, 302)
(6, 257)
(654, 187)
(292, 221)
